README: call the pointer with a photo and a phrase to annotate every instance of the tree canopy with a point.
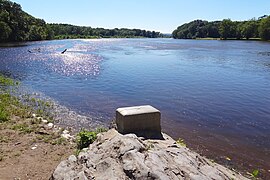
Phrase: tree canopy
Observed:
(264, 28)
(17, 25)
(197, 29)
(225, 29)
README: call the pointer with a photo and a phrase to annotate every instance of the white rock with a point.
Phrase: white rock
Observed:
(85, 149)
(72, 158)
(44, 121)
(50, 125)
(67, 136)
(34, 115)
(65, 131)
(34, 147)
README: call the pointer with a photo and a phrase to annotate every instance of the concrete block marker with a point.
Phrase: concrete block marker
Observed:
(138, 119)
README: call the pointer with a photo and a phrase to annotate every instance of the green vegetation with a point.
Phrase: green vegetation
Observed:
(85, 138)
(264, 28)
(54, 139)
(6, 100)
(150, 146)
(181, 142)
(17, 25)
(17, 114)
(3, 115)
(255, 173)
(226, 29)
(11, 105)
(4, 81)
(23, 128)
(67, 31)
(197, 29)
(23, 106)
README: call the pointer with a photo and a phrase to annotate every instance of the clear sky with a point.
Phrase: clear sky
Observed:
(158, 15)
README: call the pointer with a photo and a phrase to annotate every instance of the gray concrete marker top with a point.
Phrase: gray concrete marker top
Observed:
(138, 119)
(126, 111)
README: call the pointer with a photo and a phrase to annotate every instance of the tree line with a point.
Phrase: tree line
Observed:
(65, 31)
(17, 25)
(225, 29)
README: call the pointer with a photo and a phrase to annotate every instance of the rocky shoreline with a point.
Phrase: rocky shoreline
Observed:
(117, 156)
(31, 146)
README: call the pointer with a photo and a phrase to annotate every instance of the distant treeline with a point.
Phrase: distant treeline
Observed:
(226, 29)
(17, 25)
(71, 31)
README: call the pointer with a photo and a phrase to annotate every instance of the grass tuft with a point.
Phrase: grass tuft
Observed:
(5, 81)
(85, 138)
(181, 142)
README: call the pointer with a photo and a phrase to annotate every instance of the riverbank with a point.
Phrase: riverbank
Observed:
(32, 141)
(232, 39)
(30, 149)
(48, 81)
(30, 144)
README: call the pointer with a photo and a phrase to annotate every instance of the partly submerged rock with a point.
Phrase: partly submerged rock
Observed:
(116, 156)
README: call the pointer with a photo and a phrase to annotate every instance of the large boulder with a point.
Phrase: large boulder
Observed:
(117, 156)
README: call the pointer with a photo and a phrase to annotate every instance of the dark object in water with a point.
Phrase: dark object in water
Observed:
(34, 50)
(63, 51)
(264, 53)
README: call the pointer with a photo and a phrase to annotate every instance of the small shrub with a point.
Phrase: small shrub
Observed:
(85, 138)
(59, 141)
(150, 146)
(6, 81)
(181, 142)
(255, 173)
(77, 152)
(101, 130)
(3, 115)
(24, 128)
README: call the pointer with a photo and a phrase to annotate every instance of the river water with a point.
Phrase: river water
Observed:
(213, 94)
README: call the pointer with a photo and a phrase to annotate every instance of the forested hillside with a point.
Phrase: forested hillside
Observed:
(226, 29)
(17, 25)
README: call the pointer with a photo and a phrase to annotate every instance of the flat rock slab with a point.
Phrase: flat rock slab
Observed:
(138, 119)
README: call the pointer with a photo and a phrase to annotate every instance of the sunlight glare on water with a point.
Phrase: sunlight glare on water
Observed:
(72, 63)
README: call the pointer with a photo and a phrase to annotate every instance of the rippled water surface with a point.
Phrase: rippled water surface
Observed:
(214, 94)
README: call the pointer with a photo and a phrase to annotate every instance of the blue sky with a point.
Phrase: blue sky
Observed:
(159, 15)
